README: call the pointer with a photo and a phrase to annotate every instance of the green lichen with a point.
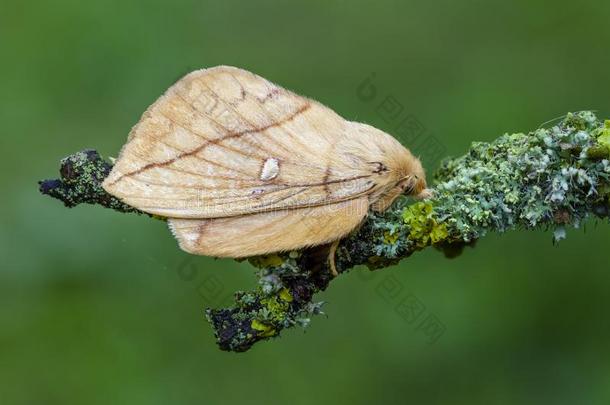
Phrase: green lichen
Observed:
(544, 178)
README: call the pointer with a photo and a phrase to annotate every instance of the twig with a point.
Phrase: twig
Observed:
(81, 180)
(550, 178)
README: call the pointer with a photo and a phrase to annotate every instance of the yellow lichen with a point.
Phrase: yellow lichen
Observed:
(438, 233)
(390, 237)
(604, 138)
(285, 295)
(272, 260)
(276, 308)
(423, 227)
(263, 329)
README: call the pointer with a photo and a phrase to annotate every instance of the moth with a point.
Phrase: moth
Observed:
(242, 167)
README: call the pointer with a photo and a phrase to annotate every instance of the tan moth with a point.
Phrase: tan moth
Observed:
(242, 167)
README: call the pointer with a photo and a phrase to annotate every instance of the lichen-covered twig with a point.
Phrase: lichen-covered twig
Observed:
(552, 178)
(82, 175)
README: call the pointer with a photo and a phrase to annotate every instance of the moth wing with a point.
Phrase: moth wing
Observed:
(224, 142)
(266, 232)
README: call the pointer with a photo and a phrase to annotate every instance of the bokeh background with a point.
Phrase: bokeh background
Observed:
(102, 308)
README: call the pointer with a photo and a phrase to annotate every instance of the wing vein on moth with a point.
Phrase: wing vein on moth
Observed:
(244, 119)
(204, 176)
(211, 162)
(257, 183)
(226, 130)
(280, 199)
(208, 143)
(211, 141)
(201, 231)
(241, 166)
(327, 170)
(273, 92)
(279, 188)
(293, 138)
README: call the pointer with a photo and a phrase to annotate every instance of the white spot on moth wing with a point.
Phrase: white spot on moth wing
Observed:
(270, 170)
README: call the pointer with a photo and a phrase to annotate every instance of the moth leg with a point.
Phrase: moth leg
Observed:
(332, 252)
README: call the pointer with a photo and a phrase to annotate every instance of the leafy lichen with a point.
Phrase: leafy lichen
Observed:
(544, 178)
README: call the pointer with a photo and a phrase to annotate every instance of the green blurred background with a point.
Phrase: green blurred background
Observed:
(102, 308)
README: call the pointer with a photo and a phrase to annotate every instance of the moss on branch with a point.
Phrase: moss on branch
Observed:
(550, 178)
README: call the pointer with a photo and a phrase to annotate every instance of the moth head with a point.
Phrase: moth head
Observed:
(407, 171)
(394, 168)
(413, 181)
